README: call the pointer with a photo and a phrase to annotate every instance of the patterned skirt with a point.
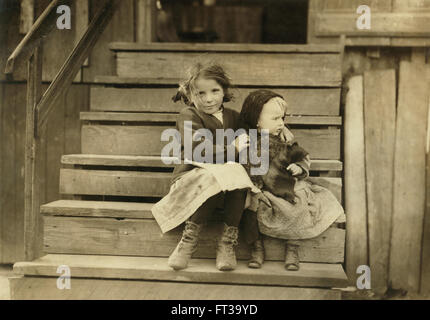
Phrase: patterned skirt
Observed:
(193, 188)
(316, 209)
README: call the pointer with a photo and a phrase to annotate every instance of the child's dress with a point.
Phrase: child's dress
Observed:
(316, 208)
(193, 184)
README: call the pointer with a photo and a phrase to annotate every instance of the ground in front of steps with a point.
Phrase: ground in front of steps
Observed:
(6, 271)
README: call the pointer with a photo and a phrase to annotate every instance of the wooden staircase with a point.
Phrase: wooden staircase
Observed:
(103, 228)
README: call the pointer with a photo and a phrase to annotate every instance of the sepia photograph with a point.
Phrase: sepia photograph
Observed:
(227, 151)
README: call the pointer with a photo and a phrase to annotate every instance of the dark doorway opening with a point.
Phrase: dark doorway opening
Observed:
(233, 21)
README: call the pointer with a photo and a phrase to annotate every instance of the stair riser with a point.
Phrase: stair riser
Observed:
(146, 140)
(292, 69)
(142, 237)
(140, 184)
(300, 101)
(45, 288)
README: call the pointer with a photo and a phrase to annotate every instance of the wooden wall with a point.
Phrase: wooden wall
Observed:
(395, 97)
(63, 131)
(394, 22)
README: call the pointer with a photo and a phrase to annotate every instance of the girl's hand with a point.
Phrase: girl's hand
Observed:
(241, 142)
(286, 135)
(295, 169)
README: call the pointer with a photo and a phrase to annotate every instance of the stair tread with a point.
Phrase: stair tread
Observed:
(199, 270)
(140, 210)
(171, 117)
(224, 47)
(155, 161)
(134, 80)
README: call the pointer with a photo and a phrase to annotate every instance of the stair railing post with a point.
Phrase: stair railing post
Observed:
(32, 157)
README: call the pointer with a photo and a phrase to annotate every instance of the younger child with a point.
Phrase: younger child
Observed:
(295, 208)
(195, 193)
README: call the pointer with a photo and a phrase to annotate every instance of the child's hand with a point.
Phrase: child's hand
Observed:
(286, 135)
(241, 142)
(295, 169)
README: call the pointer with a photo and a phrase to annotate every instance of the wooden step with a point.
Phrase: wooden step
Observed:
(140, 184)
(301, 101)
(292, 66)
(199, 271)
(106, 209)
(45, 288)
(127, 228)
(155, 161)
(171, 117)
(138, 140)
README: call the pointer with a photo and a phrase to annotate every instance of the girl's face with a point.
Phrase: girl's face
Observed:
(272, 116)
(208, 95)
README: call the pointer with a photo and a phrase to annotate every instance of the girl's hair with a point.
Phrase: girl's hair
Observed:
(253, 105)
(209, 70)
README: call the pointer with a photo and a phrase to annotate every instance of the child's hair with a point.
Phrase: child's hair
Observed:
(208, 70)
(253, 105)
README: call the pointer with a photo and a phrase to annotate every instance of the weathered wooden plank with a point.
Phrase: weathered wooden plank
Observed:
(352, 5)
(120, 183)
(5, 17)
(200, 270)
(146, 17)
(129, 116)
(8, 178)
(55, 143)
(267, 68)
(107, 209)
(35, 288)
(379, 104)
(310, 101)
(410, 42)
(34, 159)
(145, 140)
(156, 161)
(76, 100)
(27, 16)
(81, 25)
(121, 27)
(425, 260)
(382, 24)
(418, 55)
(411, 5)
(121, 140)
(136, 183)
(409, 180)
(143, 237)
(18, 226)
(2, 89)
(171, 117)
(368, 41)
(355, 183)
(224, 47)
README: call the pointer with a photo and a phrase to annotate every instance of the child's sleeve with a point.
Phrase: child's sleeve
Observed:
(302, 159)
(188, 114)
(305, 164)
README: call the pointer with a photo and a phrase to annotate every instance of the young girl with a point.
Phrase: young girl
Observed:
(195, 192)
(293, 208)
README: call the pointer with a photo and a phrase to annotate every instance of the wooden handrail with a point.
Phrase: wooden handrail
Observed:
(38, 106)
(40, 29)
(73, 63)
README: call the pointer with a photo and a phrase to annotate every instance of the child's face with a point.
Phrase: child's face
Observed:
(208, 95)
(272, 116)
